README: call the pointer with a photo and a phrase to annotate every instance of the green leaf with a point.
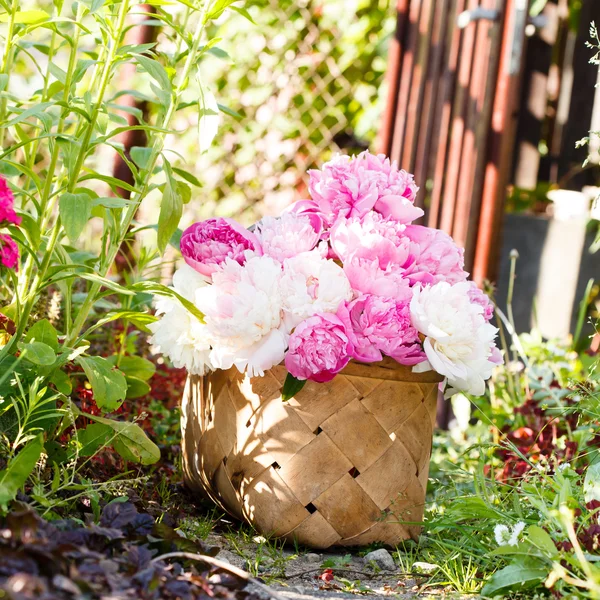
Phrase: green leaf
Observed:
(108, 202)
(162, 290)
(107, 283)
(242, 11)
(136, 388)
(108, 383)
(139, 319)
(62, 382)
(218, 8)
(13, 478)
(26, 17)
(291, 387)
(541, 539)
(131, 441)
(3, 82)
(140, 155)
(184, 190)
(75, 211)
(42, 331)
(34, 111)
(38, 353)
(171, 209)
(134, 366)
(229, 111)
(187, 176)
(591, 483)
(156, 71)
(93, 437)
(515, 576)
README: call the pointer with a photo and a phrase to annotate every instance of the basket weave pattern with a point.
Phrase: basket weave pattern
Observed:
(339, 464)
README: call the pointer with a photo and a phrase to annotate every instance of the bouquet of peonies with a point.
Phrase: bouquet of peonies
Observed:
(343, 276)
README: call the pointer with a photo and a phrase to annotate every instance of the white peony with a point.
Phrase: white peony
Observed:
(312, 284)
(178, 334)
(242, 308)
(255, 359)
(286, 236)
(459, 343)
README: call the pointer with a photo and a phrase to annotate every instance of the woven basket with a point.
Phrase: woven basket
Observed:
(341, 463)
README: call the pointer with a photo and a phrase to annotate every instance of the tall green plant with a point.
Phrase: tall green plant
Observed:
(58, 124)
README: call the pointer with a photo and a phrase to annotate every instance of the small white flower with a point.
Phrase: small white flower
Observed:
(507, 536)
(178, 334)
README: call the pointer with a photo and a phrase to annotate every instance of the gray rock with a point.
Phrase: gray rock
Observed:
(312, 557)
(382, 558)
(425, 567)
(231, 558)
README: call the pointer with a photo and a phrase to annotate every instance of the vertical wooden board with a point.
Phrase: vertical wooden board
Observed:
(323, 460)
(384, 141)
(430, 93)
(315, 532)
(398, 467)
(393, 402)
(354, 422)
(412, 40)
(347, 507)
(443, 112)
(419, 73)
(455, 148)
(271, 505)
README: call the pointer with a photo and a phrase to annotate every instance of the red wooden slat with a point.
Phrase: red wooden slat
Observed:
(393, 78)
(500, 152)
(454, 164)
(465, 201)
(433, 86)
(444, 113)
(408, 61)
(414, 113)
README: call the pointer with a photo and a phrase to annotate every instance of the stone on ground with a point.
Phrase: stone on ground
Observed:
(382, 558)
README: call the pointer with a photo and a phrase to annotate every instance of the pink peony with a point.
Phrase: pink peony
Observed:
(319, 348)
(7, 202)
(207, 244)
(438, 258)
(383, 326)
(478, 297)
(369, 277)
(289, 235)
(352, 186)
(372, 237)
(9, 252)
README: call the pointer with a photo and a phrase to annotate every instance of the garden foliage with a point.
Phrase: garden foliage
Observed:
(65, 224)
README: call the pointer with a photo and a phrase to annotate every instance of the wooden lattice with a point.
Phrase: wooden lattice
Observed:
(342, 463)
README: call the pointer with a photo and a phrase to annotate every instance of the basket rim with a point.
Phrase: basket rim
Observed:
(386, 369)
